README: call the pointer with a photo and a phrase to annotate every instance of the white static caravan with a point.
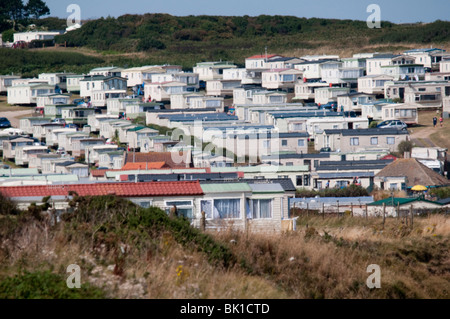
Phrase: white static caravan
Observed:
(115, 106)
(137, 76)
(404, 112)
(212, 70)
(100, 98)
(6, 81)
(26, 94)
(35, 35)
(281, 78)
(24, 154)
(52, 99)
(73, 83)
(162, 91)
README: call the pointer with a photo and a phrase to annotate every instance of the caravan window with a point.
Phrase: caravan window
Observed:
(262, 208)
(221, 208)
(184, 208)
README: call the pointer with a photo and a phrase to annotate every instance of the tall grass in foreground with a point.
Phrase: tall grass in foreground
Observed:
(128, 252)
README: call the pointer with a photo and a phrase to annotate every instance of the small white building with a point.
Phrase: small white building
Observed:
(115, 106)
(24, 154)
(93, 152)
(79, 146)
(51, 139)
(260, 62)
(101, 85)
(311, 69)
(73, 83)
(57, 79)
(353, 101)
(138, 134)
(137, 76)
(190, 79)
(329, 94)
(307, 90)
(221, 87)
(73, 168)
(281, 78)
(6, 81)
(26, 124)
(212, 70)
(373, 111)
(207, 102)
(426, 56)
(100, 98)
(373, 84)
(26, 94)
(35, 35)
(404, 112)
(94, 121)
(110, 71)
(52, 99)
(162, 91)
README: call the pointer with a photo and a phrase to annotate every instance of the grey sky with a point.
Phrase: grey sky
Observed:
(398, 11)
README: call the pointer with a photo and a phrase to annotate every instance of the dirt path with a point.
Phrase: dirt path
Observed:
(422, 137)
(14, 116)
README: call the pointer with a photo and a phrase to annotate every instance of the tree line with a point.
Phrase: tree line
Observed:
(14, 13)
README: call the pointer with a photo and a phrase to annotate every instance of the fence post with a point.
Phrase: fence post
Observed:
(412, 216)
(338, 208)
(351, 208)
(323, 210)
(398, 210)
(203, 221)
(307, 209)
(367, 214)
(384, 214)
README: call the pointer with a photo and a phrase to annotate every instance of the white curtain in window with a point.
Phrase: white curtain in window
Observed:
(206, 206)
(227, 208)
(265, 211)
(262, 208)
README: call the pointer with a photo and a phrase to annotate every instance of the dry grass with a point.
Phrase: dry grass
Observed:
(326, 259)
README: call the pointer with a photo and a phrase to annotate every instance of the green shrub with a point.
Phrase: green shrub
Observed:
(148, 44)
(8, 35)
(45, 285)
(350, 191)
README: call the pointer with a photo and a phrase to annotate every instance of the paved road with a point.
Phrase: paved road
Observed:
(14, 116)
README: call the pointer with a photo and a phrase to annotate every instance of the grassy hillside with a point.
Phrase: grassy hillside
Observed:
(134, 40)
(31, 63)
(129, 252)
(186, 40)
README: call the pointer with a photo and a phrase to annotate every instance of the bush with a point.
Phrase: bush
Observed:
(148, 44)
(113, 217)
(41, 44)
(45, 285)
(7, 207)
(351, 191)
(405, 146)
(441, 192)
(8, 35)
